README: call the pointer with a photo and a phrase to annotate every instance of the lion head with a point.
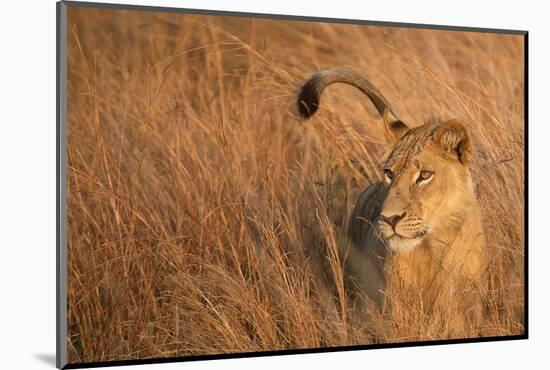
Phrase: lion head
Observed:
(428, 178)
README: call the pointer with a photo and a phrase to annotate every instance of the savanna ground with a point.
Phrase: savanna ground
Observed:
(199, 205)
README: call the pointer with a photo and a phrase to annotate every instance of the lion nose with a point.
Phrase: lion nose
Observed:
(393, 220)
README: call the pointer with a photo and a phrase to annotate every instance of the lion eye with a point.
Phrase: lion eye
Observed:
(388, 174)
(424, 176)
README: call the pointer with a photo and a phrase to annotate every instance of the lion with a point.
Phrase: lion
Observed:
(421, 227)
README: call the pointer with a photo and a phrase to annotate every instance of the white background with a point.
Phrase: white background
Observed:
(27, 182)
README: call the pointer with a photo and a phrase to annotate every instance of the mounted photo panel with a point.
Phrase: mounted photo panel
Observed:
(237, 185)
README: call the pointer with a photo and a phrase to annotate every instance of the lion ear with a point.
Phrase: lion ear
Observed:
(454, 138)
(394, 128)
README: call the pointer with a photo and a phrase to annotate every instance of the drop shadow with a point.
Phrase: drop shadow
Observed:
(47, 358)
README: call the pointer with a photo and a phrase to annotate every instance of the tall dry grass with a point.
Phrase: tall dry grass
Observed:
(201, 212)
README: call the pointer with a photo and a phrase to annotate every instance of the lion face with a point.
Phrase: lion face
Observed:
(427, 177)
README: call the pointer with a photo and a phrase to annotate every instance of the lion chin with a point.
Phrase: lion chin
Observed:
(398, 244)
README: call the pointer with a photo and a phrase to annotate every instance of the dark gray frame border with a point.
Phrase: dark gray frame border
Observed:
(61, 186)
(150, 8)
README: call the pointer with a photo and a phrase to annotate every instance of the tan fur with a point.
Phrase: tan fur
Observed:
(447, 263)
(435, 251)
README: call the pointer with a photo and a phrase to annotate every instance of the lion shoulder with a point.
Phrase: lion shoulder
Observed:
(362, 228)
(366, 253)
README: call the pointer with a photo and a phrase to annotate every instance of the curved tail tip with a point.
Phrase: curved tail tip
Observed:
(308, 101)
